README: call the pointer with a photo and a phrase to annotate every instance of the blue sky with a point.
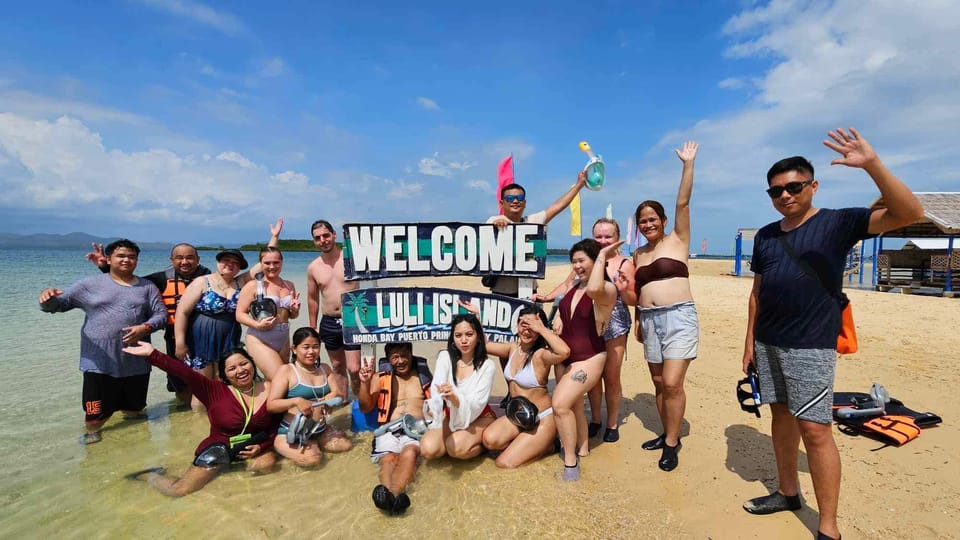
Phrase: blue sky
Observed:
(179, 120)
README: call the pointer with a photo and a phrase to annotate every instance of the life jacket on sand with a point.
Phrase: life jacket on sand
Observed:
(898, 426)
(387, 382)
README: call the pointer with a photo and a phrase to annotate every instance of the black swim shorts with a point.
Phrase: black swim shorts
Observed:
(104, 395)
(331, 332)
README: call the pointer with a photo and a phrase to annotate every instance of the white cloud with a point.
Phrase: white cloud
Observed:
(428, 103)
(405, 190)
(291, 177)
(225, 22)
(481, 185)
(431, 166)
(240, 160)
(731, 83)
(63, 165)
(42, 106)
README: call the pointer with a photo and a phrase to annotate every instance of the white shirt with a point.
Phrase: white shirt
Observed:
(472, 392)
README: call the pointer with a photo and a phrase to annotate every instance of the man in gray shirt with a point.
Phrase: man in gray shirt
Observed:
(121, 309)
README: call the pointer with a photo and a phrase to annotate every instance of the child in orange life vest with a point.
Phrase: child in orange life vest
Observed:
(398, 394)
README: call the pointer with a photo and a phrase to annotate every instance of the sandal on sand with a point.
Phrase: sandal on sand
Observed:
(655, 444)
(668, 459)
(401, 504)
(772, 503)
(611, 435)
(571, 473)
(138, 474)
(383, 499)
(90, 438)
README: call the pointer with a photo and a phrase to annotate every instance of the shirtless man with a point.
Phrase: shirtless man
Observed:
(394, 393)
(325, 284)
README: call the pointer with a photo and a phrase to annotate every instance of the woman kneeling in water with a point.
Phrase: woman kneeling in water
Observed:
(462, 381)
(303, 387)
(241, 429)
(529, 429)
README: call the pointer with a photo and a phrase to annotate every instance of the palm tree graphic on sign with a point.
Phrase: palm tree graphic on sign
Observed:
(357, 304)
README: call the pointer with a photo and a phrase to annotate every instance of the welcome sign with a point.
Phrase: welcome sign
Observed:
(372, 251)
(389, 314)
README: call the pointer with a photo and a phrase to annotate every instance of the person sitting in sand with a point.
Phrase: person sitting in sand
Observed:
(520, 439)
(462, 380)
(268, 339)
(584, 314)
(241, 427)
(398, 395)
(302, 387)
(120, 308)
(667, 322)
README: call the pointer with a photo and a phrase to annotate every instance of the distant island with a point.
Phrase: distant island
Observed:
(75, 240)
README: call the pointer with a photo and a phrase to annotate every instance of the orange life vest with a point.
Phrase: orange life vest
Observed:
(385, 397)
(170, 295)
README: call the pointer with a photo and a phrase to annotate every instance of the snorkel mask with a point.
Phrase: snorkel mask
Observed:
(749, 400)
(523, 413)
(595, 169)
(409, 425)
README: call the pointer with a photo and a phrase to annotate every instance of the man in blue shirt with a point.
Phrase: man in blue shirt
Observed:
(794, 314)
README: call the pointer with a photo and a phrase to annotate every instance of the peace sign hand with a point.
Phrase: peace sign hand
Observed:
(366, 369)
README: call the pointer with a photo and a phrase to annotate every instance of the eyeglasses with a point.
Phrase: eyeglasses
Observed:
(514, 198)
(790, 187)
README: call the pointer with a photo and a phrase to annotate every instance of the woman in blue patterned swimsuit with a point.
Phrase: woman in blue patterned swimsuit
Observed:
(206, 323)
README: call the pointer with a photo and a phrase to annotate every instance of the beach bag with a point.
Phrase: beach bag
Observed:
(847, 339)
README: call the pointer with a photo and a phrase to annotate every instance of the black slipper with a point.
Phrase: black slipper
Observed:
(401, 504)
(593, 429)
(383, 499)
(772, 503)
(135, 475)
(821, 536)
(655, 444)
(668, 459)
(611, 435)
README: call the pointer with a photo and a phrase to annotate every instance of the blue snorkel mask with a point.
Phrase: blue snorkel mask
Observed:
(595, 169)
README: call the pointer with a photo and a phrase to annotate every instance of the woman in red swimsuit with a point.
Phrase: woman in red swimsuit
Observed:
(584, 314)
(667, 318)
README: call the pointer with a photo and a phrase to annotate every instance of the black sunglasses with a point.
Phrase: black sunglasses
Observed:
(790, 187)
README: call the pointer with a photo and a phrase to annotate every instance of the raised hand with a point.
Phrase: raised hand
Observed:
(611, 250)
(97, 256)
(47, 294)
(582, 178)
(295, 302)
(141, 348)
(470, 307)
(275, 229)
(688, 151)
(366, 369)
(856, 151)
(533, 322)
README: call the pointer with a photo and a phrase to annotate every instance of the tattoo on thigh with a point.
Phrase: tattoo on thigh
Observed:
(580, 376)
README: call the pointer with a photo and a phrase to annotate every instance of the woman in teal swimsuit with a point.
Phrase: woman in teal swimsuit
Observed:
(297, 387)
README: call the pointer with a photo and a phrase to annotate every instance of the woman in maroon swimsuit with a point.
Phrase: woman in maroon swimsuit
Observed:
(667, 318)
(241, 428)
(584, 314)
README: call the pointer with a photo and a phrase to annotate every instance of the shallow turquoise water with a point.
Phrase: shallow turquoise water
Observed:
(49, 484)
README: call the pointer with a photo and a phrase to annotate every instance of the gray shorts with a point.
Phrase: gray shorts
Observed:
(670, 332)
(801, 378)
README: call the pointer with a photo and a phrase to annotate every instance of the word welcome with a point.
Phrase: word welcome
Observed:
(421, 249)
(384, 315)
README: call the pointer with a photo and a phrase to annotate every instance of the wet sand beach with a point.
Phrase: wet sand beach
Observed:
(907, 343)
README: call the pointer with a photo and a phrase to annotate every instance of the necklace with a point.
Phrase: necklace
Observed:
(249, 391)
(310, 371)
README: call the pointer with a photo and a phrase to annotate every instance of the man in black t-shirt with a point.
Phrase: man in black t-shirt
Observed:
(794, 314)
